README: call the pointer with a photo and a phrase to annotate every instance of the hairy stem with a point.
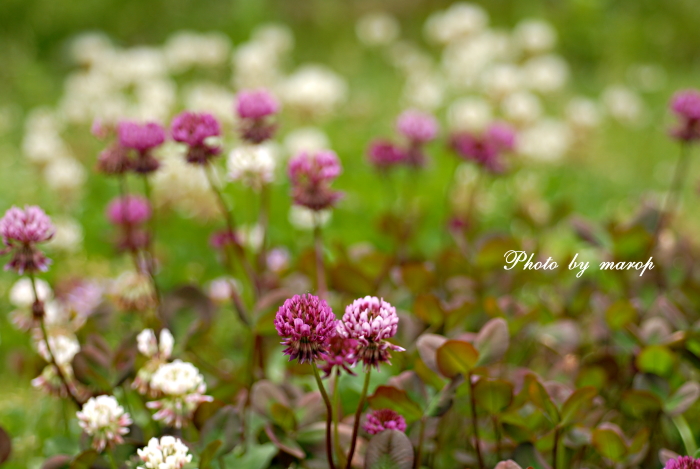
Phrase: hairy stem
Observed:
(329, 415)
(475, 424)
(358, 415)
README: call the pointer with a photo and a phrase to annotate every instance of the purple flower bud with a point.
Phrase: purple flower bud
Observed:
(256, 104)
(384, 154)
(114, 160)
(311, 175)
(307, 324)
(129, 210)
(419, 127)
(21, 230)
(340, 356)
(384, 419)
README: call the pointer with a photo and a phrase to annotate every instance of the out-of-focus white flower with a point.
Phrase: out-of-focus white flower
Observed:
(535, 36)
(521, 107)
(187, 49)
(65, 174)
(546, 73)
(501, 79)
(624, 105)
(55, 314)
(253, 165)
(277, 259)
(87, 48)
(22, 293)
(149, 346)
(209, 97)
(314, 90)
(276, 37)
(104, 420)
(303, 218)
(221, 289)
(251, 236)
(469, 114)
(305, 139)
(138, 64)
(63, 347)
(182, 387)
(155, 99)
(409, 59)
(377, 29)
(464, 61)
(647, 77)
(458, 21)
(167, 453)
(255, 65)
(583, 113)
(68, 236)
(547, 140)
(424, 91)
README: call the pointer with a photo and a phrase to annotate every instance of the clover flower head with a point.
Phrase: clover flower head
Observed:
(140, 136)
(419, 127)
(486, 148)
(683, 462)
(182, 388)
(371, 321)
(167, 453)
(21, 230)
(686, 105)
(114, 160)
(307, 324)
(311, 175)
(384, 419)
(150, 347)
(253, 165)
(384, 154)
(128, 210)
(256, 104)
(105, 421)
(199, 132)
(340, 355)
(63, 348)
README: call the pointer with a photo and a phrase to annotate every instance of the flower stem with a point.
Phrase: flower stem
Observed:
(320, 267)
(674, 192)
(358, 414)
(112, 460)
(555, 448)
(329, 415)
(336, 417)
(475, 425)
(45, 335)
(148, 254)
(263, 222)
(419, 450)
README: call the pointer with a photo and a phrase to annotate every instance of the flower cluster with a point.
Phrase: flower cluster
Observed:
(255, 109)
(485, 149)
(167, 453)
(63, 348)
(105, 421)
(683, 462)
(158, 352)
(21, 231)
(384, 419)
(143, 138)
(311, 174)
(199, 132)
(340, 356)
(182, 388)
(307, 324)
(370, 321)
(417, 128)
(686, 105)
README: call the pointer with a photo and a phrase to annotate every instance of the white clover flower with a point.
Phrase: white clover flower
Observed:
(138, 64)
(155, 99)
(253, 165)
(63, 347)
(314, 90)
(535, 36)
(149, 346)
(546, 73)
(187, 49)
(55, 314)
(305, 139)
(255, 64)
(86, 48)
(221, 289)
(210, 97)
(458, 21)
(377, 29)
(583, 113)
(182, 387)
(624, 105)
(22, 293)
(547, 140)
(469, 114)
(521, 107)
(465, 61)
(501, 79)
(277, 259)
(65, 174)
(68, 236)
(409, 59)
(167, 453)
(104, 420)
(42, 146)
(276, 37)
(304, 218)
(251, 236)
(424, 91)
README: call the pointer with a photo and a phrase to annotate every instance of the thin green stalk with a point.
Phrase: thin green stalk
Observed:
(358, 415)
(497, 433)
(421, 437)
(112, 460)
(329, 415)
(555, 448)
(673, 196)
(149, 255)
(336, 418)
(475, 425)
(263, 223)
(320, 267)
